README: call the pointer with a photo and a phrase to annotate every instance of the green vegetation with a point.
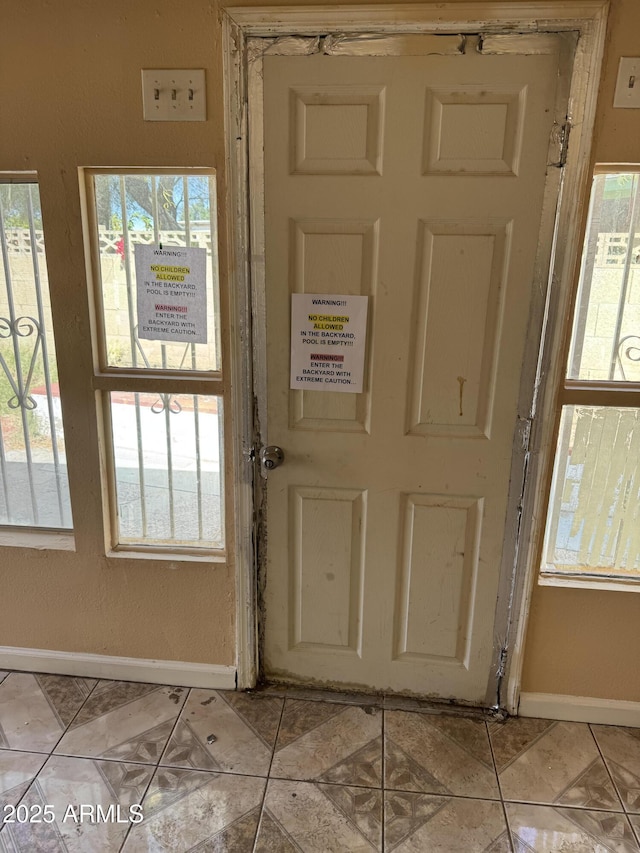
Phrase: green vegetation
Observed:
(20, 203)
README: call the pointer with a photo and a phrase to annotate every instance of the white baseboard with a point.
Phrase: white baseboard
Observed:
(171, 672)
(580, 709)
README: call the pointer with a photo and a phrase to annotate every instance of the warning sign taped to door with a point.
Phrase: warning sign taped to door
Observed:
(171, 294)
(328, 337)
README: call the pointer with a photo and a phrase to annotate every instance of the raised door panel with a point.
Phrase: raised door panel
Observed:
(460, 290)
(327, 529)
(437, 577)
(474, 130)
(336, 130)
(333, 256)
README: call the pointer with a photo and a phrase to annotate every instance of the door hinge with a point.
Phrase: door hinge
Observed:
(560, 138)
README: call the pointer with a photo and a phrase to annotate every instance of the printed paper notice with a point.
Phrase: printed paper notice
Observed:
(328, 337)
(172, 294)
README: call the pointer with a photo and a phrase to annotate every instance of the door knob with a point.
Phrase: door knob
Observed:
(271, 456)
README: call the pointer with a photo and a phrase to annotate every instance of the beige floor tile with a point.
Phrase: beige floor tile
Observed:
(126, 721)
(17, 772)
(621, 749)
(545, 829)
(325, 762)
(423, 823)
(36, 709)
(541, 761)
(438, 755)
(191, 809)
(228, 731)
(66, 784)
(320, 818)
(330, 743)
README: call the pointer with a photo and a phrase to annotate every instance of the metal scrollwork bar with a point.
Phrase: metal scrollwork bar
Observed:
(629, 351)
(21, 327)
(166, 403)
(19, 386)
(164, 400)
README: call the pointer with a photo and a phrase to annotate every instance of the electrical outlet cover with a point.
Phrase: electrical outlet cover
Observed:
(628, 85)
(173, 94)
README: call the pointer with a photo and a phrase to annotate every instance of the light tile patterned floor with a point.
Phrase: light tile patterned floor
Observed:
(98, 766)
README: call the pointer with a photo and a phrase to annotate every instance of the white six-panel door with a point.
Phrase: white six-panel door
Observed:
(416, 181)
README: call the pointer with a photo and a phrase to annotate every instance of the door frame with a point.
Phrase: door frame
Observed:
(555, 274)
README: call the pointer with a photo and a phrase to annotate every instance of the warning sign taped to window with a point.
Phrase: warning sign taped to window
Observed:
(171, 294)
(328, 338)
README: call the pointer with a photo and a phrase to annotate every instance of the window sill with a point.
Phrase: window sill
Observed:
(167, 556)
(610, 584)
(41, 540)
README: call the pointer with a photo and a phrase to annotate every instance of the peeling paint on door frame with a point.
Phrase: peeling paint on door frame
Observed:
(561, 228)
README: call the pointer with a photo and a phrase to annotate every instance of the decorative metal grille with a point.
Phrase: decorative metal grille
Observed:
(169, 484)
(35, 489)
(593, 525)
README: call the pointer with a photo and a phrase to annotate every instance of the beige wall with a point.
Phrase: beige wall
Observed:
(70, 95)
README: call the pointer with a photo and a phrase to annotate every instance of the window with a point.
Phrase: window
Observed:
(593, 523)
(158, 363)
(34, 490)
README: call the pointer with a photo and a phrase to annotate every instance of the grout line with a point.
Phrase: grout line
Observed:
(447, 796)
(199, 770)
(502, 801)
(495, 763)
(383, 780)
(50, 754)
(175, 725)
(111, 760)
(548, 805)
(266, 786)
(30, 751)
(593, 833)
(70, 723)
(144, 794)
(218, 771)
(606, 766)
(156, 767)
(29, 786)
(533, 741)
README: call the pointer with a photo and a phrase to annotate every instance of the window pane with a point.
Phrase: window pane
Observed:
(593, 526)
(606, 331)
(168, 461)
(34, 491)
(163, 211)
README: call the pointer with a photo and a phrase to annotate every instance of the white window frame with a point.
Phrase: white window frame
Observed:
(107, 379)
(32, 536)
(584, 392)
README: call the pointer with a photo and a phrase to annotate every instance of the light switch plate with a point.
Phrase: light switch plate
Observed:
(628, 85)
(173, 94)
